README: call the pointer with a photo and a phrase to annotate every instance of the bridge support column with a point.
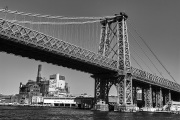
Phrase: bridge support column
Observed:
(169, 95)
(149, 97)
(159, 98)
(125, 91)
(123, 84)
(134, 95)
(101, 90)
(101, 94)
(125, 94)
(153, 97)
(143, 97)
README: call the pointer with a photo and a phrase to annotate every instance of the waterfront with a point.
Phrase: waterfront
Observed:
(46, 113)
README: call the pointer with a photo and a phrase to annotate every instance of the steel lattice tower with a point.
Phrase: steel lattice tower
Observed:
(114, 44)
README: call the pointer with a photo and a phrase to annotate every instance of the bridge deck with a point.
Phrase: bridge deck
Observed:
(23, 41)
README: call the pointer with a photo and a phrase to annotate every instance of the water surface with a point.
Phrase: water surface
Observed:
(40, 113)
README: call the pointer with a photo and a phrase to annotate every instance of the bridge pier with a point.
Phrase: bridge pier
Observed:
(159, 98)
(103, 84)
(154, 97)
(148, 96)
(169, 95)
(125, 94)
(166, 97)
(123, 84)
(134, 95)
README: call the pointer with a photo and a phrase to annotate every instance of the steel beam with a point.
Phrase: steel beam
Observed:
(101, 90)
(149, 96)
(102, 37)
(169, 95)
(134, 95)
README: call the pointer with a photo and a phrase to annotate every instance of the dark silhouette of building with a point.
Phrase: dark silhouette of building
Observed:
(55, 86)
(33, 88)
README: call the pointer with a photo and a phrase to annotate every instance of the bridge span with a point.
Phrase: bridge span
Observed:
(106, 70)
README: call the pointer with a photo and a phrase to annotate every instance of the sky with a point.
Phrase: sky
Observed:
(157, 22)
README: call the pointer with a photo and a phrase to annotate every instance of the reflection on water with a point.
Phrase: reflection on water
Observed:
(34, 113)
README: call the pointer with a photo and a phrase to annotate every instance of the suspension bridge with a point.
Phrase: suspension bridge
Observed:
(96, 45)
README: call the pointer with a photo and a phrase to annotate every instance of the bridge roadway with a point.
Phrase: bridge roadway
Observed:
(26, 42)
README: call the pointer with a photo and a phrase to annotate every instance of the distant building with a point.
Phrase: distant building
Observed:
(15, 98)
(37, 100)
(29, 90)
(44, 87)
(33, 88)
(60, 101)
(54, 87)
(58, 86)
(84, 102)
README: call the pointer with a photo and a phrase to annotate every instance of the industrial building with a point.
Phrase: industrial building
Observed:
(57, 86)
(33, 91)
(60, 101)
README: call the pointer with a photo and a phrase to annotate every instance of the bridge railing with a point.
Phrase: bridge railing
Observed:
(148, 77)
(39, 40)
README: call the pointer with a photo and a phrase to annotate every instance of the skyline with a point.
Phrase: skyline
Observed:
(157, 22)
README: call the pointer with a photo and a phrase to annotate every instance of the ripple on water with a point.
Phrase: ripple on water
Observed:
(36, 113)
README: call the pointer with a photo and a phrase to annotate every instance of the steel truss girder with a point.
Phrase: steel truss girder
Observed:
(29, 37)
(153, 79)
(17, 33)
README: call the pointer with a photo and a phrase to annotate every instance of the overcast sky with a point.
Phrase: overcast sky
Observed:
(157, 22)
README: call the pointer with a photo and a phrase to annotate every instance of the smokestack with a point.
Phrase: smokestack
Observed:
(38, 79)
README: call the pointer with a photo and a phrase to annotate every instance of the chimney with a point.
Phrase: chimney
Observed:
(38, 79)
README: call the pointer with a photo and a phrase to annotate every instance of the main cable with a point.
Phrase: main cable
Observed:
(153, 53)
(145, 54)
(136, 62)
(141, 59)
(49, 16)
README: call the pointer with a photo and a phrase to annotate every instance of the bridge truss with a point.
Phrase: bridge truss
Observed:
(113, 55)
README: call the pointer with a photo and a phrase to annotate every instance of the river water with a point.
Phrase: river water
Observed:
(46, 113)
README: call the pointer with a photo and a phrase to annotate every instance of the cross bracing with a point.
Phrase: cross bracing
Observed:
(28, 37)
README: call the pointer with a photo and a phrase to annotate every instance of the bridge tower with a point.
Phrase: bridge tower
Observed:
(114, 44)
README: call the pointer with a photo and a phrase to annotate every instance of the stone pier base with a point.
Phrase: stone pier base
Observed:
(101, 107)
(125, 108)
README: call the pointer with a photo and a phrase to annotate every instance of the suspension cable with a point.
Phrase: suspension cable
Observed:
(137, 62)
(145, 54)
(153, 53)
(49, 16)
(141, 59)
(54, 23)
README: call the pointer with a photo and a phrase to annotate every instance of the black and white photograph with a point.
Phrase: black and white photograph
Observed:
(89, 60)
